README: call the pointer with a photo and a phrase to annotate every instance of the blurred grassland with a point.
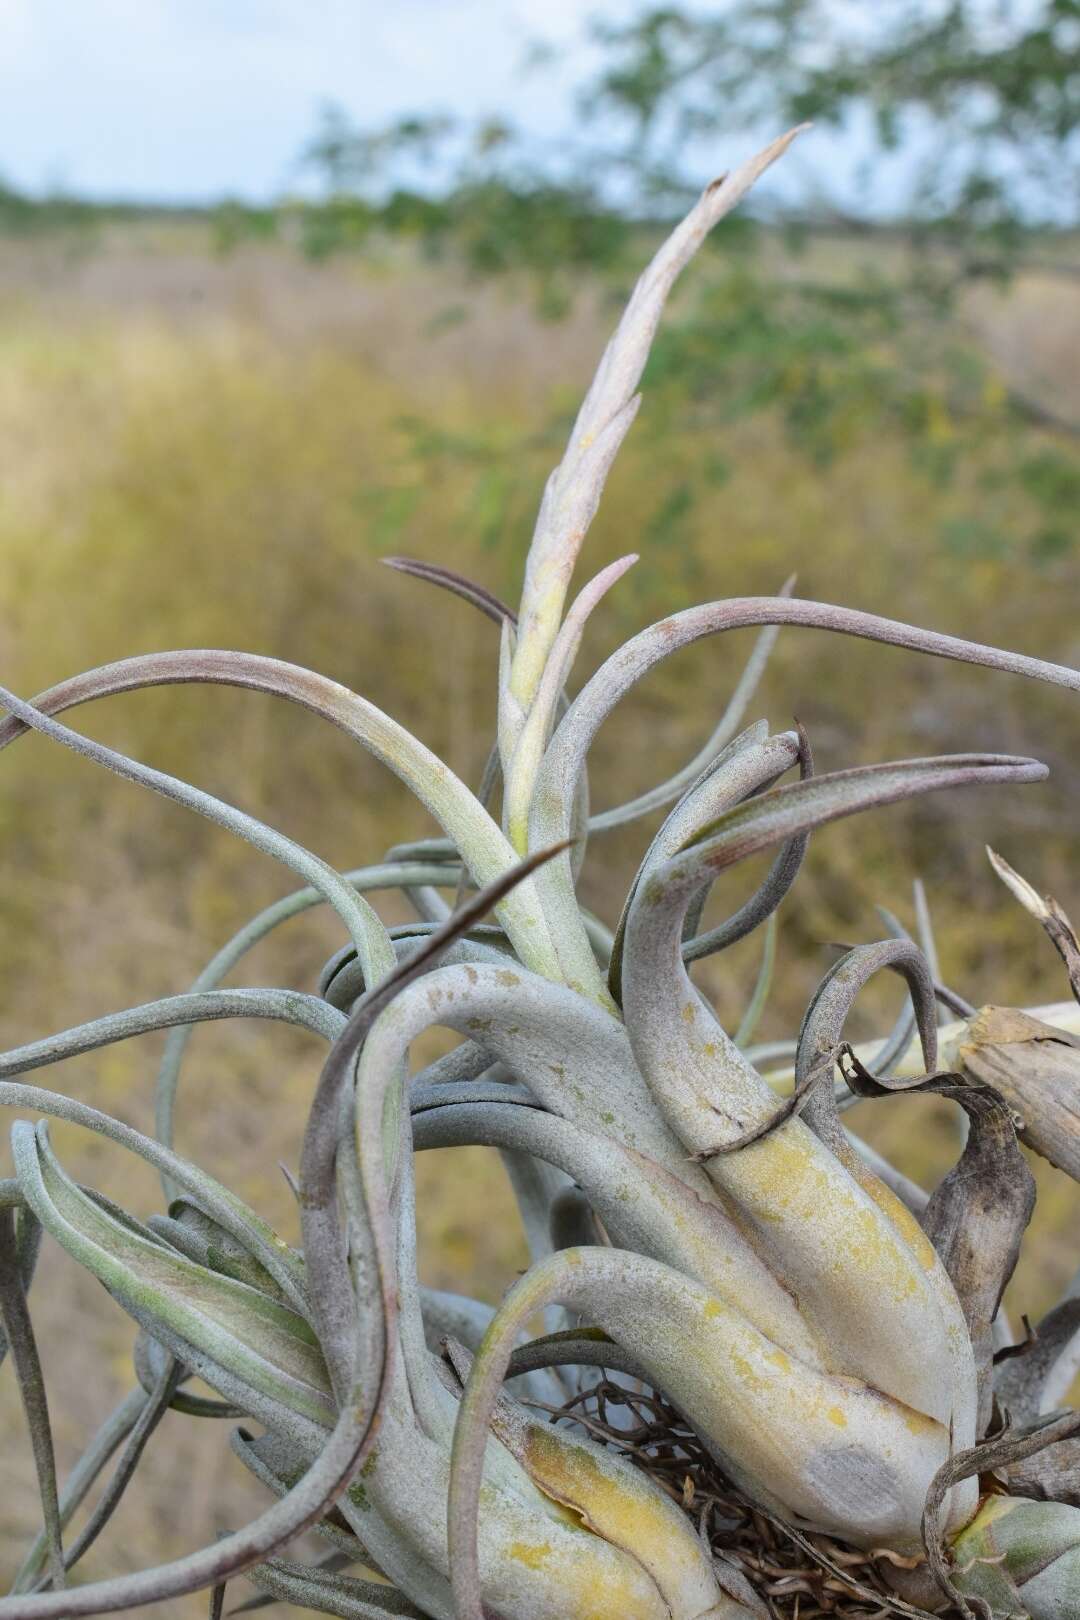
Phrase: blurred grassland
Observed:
(214, 451)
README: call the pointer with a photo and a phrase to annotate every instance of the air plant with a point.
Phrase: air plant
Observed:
(718, 1261)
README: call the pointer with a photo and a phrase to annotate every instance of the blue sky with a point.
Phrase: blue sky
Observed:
(191, 99)
(194, 100)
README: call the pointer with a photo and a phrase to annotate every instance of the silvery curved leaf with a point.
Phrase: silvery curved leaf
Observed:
(230, 1211)
(251, 1345)
(574, 1057)
(363, 922)
(752, 760)
(348, 1443)
(565, 757)
(364, 879)
(643, 1207)
(827, 1449)
(468, 825)
(684, 779)
(535, 729)
(804, 1206)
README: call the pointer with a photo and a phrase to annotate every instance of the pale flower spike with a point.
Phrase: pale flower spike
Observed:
(520, 770)
(769, 1377)
(574, 488)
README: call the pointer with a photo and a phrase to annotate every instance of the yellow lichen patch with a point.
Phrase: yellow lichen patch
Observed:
(689, 1012)
(504, 976)
(358, 1490)
(779, 1359)
(712, 1309)
(571, 1475)
(626, 1512)
(882, 1254)
(789, 1177)
(744, 1369)
(836, 1414)
(775, 1173)
(918, 1422)
(624, 1597)
(900, 1216)
(532, 1554)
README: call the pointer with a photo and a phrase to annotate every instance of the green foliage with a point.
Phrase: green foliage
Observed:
(234, 223)
(982, 115)
(493, 208)
(21, 215)
(989, 99)
(847, 331)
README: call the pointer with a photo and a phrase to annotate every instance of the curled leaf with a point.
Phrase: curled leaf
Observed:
(643, 1208)
(250, 1347)
(750, 762)
(363, 922)
(973, 1572)
(450, 580)
(977, 1216)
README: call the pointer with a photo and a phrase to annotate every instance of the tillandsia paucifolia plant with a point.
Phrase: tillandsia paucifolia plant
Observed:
(762, 1340)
